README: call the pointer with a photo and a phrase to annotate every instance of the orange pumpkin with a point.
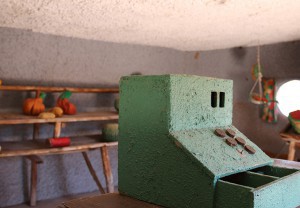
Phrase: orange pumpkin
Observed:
(64, 103)
(34, 106)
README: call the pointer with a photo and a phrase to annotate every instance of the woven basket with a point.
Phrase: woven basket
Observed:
(295, 122)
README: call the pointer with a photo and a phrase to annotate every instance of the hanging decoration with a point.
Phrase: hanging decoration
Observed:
(269, 109)
(256, 73)
(265, 97)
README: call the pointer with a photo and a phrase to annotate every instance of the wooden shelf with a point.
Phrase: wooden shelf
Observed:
(31, 149)
(14, 118)
(40, 147)
(58, 89)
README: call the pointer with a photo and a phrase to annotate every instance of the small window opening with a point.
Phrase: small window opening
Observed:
(222, 100)
(214, 99)
(288, 97)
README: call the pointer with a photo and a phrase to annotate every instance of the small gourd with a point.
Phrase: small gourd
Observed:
(57, 111)
(64, 103)
(34, 106)
(46, 115)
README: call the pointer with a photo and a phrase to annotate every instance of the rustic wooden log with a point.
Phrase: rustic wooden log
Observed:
(14, 118)
(57, 130)
(35, 160)
(107, 169)
(292, 150)
(58, 89)
(39, 147)
(93, 173)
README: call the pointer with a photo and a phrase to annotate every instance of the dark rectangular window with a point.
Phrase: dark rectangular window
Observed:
(222, 100)
(214, 99)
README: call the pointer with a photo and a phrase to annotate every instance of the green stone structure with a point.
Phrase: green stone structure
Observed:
(171, 155)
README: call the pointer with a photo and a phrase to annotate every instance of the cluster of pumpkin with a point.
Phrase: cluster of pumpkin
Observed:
(36, 107)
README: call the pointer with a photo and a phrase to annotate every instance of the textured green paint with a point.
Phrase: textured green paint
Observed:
(255, 190)
(218, 157)
(282, 193)
(274, 171)
(250, 179)
(151, 166)
(168, 153)
(229, 195)
(190, 99)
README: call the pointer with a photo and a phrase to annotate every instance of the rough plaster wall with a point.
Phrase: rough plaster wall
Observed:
(182, 24)
(280, 61)
(33, 58)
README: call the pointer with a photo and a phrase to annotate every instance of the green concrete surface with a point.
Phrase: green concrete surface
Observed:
(169, 154)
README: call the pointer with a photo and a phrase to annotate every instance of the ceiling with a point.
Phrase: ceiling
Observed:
(189, 25)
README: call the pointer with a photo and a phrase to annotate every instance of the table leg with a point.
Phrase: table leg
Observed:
(34, 161)
(92, 171)
(292, 150)
(36, 131)
(107, 169)
(33, 183)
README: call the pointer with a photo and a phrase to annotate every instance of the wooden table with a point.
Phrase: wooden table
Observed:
(290, 136)
(120, 201)
(112, 200)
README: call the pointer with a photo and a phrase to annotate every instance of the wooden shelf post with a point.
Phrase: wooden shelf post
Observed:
(57, 130)
(93, 173)
(292, 150)
(107, 169)
(35, 160)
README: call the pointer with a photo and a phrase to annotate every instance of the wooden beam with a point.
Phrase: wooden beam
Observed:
(292, 150)
(58, 89)
(15, 118)
(93, 173)
(39, 147)
(35, 159)
(57, 130)
(33, 183)
(107, 169)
